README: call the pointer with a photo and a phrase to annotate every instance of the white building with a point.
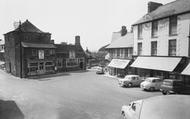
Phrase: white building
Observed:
(120, 52)
(164, 31)
(162, 41)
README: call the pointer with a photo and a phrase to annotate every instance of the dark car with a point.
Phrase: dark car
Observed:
(172, 86)
(101, 71)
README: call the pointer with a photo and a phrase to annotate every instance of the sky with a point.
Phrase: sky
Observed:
(93, 20)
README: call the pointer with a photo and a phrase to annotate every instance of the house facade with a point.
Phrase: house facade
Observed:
(29, 51)
(120, 52)
(161, 37)
(70, 57)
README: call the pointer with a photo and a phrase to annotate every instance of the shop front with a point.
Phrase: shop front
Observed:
(118, 67)
(163, 67)
(186, 78)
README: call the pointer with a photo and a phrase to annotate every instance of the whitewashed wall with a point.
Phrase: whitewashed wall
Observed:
(163, 37)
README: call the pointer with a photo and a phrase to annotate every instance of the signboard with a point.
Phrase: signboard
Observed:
(41, 54)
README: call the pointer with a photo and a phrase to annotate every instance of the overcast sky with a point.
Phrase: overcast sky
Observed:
(93, 20)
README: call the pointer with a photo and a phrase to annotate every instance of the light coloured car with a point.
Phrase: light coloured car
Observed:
(151, 83)
(130, 80)
(158, 107)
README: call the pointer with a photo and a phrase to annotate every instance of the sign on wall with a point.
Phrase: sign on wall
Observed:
(41, 54)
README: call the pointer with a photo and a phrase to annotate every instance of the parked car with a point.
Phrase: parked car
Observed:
(158, 107)
(151, 83)
(121, 75)
(130, 80)
(100, 71)
(172, 86)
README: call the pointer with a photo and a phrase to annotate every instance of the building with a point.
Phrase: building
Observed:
(161, 40)
(29, 51)
(2, 50)
(70, 57)
(120, 52)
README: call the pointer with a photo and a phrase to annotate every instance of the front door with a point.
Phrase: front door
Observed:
(41, 68)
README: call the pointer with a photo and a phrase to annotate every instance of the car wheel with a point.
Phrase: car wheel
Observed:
(164, 92)
(151, 89)
(130, 85)
(167, 92)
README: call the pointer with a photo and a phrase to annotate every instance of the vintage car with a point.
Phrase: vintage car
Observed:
(130, 80)
(100, 71)
(151, 83)
(172, 86)
(158, 107)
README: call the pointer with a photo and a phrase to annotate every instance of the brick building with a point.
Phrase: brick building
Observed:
(70, 57)
(29, 51)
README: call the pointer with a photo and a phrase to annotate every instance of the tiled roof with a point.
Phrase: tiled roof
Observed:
(65, 48)
(122, 42)
(172, 8)
(34, 45)
(27, 26)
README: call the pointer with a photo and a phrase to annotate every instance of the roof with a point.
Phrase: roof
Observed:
(103, 48)
(27, 26)
(122, 41)
(172, 8)
(65, 48)
(35, 45)
(157, 63)
(115, 36)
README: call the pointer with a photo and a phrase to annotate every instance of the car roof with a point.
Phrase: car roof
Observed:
(132, 76)
(166, 107)
(151, 78)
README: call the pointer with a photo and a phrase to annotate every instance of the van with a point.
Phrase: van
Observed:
(172, 86)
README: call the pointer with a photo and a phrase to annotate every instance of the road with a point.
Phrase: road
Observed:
(76, 95)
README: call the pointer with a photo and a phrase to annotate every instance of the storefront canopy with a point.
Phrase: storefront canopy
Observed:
(186, 71)
(35, 45)
(157, 63)
(119, 63)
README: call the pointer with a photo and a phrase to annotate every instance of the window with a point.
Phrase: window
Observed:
(140, 31)
(153, 48)
(34, 52)
(52, 52)
(118, 52)
(47, 52)
(154, 29)
(172, 47)
(139, 49)
(71, 62)
(71, 54)
(173, 25)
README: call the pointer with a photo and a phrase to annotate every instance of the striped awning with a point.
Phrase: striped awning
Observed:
(119, 63)
(186, 71)
(157, 63)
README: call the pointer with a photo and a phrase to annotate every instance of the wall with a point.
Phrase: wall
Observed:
(163, 37)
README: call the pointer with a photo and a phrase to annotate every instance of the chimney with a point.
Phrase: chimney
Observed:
(153, 6)
(52, 41)
(77, 40)
(123, 30)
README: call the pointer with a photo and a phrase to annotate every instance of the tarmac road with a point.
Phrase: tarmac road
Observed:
(76, 95)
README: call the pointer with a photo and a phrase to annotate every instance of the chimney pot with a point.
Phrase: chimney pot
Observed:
(123, 30)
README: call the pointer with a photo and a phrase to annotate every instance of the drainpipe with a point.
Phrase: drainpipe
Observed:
(20, 49)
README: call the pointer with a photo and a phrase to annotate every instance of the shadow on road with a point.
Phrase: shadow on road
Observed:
(10, 110)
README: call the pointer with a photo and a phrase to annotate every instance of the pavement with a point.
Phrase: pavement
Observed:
(71, 95)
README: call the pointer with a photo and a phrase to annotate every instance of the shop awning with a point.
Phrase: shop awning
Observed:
(119, 63)
(186, 71)
(35, 45)
(157, 63)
